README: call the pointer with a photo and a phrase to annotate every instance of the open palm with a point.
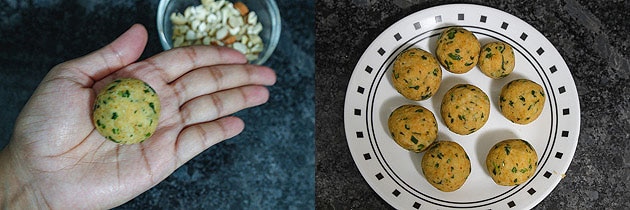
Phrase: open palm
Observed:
(63, 161)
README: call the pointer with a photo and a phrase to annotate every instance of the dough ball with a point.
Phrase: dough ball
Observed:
(416, 74)
(511, 162)
(458, 50)
(413, 127)
(126, 111)
(465, 109)
(522, 101)
(446, 165)
(496, 60)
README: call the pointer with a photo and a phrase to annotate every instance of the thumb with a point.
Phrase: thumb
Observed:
(123, 51)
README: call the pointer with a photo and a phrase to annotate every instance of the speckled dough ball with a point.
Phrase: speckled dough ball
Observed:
(521, 101)
(465, 109)
(416, 74)
(446, 165)
(496, 60)
(126, 111)
(511, 162)
(458, 50)
(413, 127)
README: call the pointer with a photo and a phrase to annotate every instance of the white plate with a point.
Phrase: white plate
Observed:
(394, 173)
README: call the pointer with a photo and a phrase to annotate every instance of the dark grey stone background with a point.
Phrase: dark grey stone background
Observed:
(270, 165)
(592, 36)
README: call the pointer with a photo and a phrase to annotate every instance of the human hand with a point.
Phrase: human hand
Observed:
(56, 158)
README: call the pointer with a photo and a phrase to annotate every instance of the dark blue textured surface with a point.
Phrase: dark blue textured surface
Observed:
(271, 165)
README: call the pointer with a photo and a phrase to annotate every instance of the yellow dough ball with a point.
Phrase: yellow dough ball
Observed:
(446, 165)
(522, 101)
(458, 50)
(512, 162)
(413, 127)
(416, 74)
(465, 109)
(496, 60)
(126, 111)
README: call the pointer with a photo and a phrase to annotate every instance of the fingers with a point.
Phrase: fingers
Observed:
(174, 63)
(212, 79)
(126, 49)
(195, 139)
(223, 103)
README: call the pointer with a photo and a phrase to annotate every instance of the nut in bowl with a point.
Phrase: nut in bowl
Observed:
(249, 26)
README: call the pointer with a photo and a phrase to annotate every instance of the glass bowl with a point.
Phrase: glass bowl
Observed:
(268, 16)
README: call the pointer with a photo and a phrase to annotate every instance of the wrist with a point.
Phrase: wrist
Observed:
(15, 193)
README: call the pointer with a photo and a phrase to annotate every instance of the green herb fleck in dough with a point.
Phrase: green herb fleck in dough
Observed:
(407, 127)
(500, 48)
(420, 146)
(451, 33)
(425, 96)
(435, 72)
(415, 87)
(147, 135)
(440, 155)
(489, 55)
(507, 149)
(148, 86)
(112, 87)
(124, 94)
(152, 107)
(115, 130)
(523, 170)
(112, 139)
(521, 98)
(468, 64)
(114, 116)
(454, 56)
(414, 140)
(423, 57)
(514, 170)
(437, 165)
(511, 103)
